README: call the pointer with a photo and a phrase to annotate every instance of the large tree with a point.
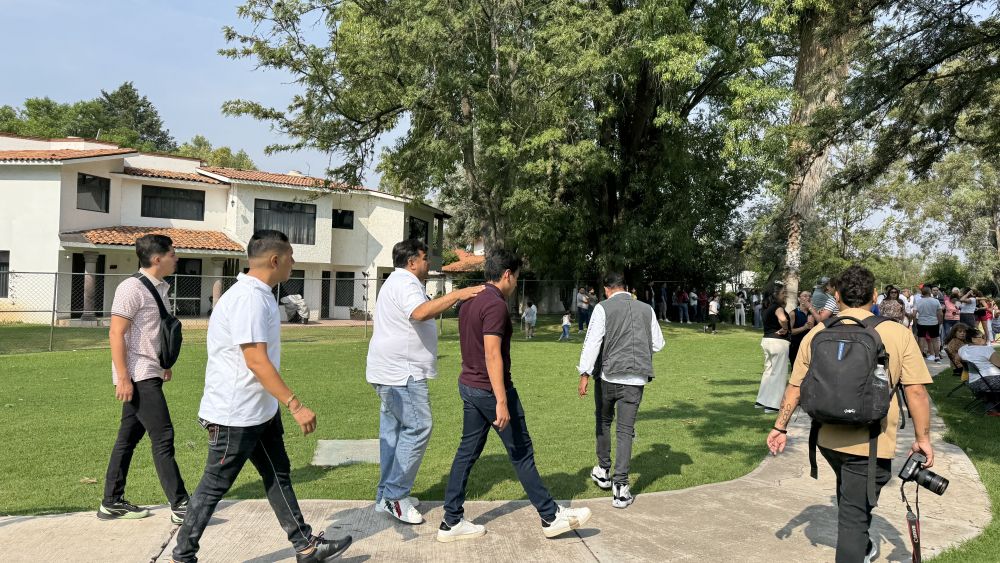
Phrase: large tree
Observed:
(586, 134)
(200, 147)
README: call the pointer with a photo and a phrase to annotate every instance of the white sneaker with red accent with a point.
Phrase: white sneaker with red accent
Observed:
(379, 505)
(402, 510)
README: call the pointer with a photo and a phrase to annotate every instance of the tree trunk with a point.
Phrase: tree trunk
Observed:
(820, 74)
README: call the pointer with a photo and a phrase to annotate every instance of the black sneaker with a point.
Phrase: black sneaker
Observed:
(121, 510)
(177, 513)
(322, 549)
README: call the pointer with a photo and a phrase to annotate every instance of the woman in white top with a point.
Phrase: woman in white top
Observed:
(984, 381)
(740, 313)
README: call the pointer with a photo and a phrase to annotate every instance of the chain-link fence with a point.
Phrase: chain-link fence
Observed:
(66, 311)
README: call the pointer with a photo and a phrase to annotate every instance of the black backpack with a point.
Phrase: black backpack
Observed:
(848, 383)
(170, 328)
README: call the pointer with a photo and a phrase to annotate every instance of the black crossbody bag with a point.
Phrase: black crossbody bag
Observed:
(170, 328)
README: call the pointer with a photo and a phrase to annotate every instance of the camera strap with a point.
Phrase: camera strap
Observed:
(912, 521)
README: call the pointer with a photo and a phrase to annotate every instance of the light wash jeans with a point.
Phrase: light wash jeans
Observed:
(404, 431)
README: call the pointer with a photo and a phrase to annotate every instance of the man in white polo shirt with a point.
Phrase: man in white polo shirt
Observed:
(402, 356)
(240, 406)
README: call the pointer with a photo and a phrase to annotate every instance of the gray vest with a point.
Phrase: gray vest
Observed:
(628, 342)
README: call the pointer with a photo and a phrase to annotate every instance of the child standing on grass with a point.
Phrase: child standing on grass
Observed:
(567, 321)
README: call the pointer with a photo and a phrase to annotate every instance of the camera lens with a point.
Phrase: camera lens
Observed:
(932, 481)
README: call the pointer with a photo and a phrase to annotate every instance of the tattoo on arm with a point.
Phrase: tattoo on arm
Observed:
(785, 414)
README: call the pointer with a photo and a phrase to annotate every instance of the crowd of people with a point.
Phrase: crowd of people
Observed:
(244, 391)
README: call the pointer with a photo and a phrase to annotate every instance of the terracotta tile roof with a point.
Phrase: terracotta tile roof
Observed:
(170, 175)
(62, 154)
(183, 238)
(467, 262)
(271, 177)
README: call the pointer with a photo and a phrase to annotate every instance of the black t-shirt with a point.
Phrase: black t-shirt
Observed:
(482, 315)
(772, 324)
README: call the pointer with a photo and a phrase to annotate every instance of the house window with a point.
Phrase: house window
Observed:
(92, 193)
(4, 274)
(343, 219)
(296, 220)
(345, 290)
(418, 229)
(173, 203)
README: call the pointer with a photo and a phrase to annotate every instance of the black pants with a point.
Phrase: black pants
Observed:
(478, 414)
(229, 447)
(854, 514)
(627, 398)
(712, 321)
(146, 413)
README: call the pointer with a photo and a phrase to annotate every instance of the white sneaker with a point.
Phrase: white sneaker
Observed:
(601, 476)
(464, 530)
(402, 510)
(380, 508)
(566, 519)
(620, 495)
(929, 358)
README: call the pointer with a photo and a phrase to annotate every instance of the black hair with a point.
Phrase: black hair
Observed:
(499, 261)
(771, 294)
(614, 280)
(530, 303)
(926, 290)
(266, 241)
(148, 246)
(856, 286)
(407, 249)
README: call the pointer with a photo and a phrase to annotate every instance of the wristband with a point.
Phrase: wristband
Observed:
(780, 430)
(288, 403)
(296, 411)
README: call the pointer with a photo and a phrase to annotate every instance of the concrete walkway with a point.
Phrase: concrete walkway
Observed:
(776, 513)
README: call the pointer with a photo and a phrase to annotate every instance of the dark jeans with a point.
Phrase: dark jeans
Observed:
(712, 321)
(582, 317)
(229, 447)
(854, 514)
(146, 413)
(627, 398)
(478, 413)
(683, 315)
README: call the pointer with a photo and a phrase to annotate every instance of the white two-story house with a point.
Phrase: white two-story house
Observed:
(76, 206)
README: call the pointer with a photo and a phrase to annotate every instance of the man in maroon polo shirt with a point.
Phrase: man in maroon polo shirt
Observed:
(490, 400)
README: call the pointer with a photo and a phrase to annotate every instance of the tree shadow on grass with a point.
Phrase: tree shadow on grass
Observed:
(714, 425)
(819, 524)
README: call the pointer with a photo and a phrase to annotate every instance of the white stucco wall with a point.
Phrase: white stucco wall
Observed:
(216, 198)
(241, 226)
(161, 162)
(29, 216)
(73, 219)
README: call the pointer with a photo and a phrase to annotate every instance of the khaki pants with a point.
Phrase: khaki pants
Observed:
(775, 378)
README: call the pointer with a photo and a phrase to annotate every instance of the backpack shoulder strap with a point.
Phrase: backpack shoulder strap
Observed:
(813, 444)
(873, 321)
(839, 319)
(873, 432)
(156, 295)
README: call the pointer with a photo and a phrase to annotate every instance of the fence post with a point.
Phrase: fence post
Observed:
(367, 290)
(55, 305)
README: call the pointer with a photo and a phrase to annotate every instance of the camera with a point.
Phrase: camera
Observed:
(913, 470)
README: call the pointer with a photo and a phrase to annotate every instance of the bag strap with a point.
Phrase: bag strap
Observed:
(873, 431)
(813, 443)
(156, 295)
(839, 319)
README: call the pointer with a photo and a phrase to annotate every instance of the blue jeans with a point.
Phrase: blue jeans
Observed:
(479, 409)
(404, 431)
(683, 316)
(565, 333)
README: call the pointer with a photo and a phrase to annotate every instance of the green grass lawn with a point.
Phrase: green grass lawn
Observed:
(697, 423)
(979, 436)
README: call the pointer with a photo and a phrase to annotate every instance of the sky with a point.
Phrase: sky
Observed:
(70, 50)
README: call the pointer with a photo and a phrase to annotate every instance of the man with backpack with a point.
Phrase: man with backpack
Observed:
(856, 430)
(139, 374)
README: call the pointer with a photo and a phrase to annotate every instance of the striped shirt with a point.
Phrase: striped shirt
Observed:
(134, 302)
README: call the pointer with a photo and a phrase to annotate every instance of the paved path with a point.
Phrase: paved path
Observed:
(776, 513)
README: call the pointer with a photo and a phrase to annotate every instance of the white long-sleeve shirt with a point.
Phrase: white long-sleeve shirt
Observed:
(595, 338)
